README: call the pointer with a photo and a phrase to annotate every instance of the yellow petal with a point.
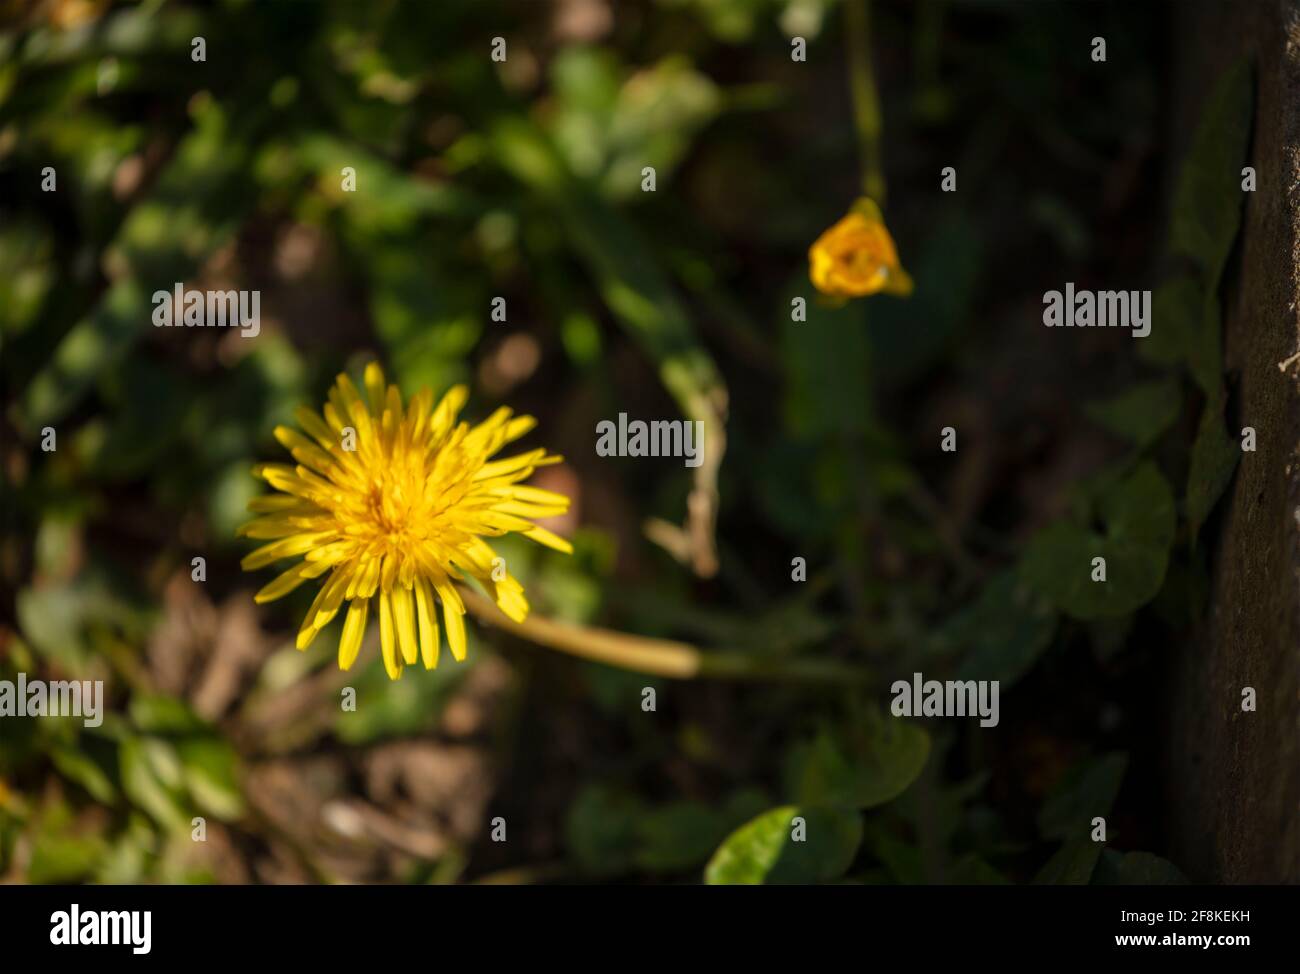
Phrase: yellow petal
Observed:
(387, 638)
(374, 378)
(331, 597)
(452, 614)
(287, 548)
(404, 617)
(542, 536)
(447, 408)
(283, 584)
(354, 629)
(426, 612)
(316, 427)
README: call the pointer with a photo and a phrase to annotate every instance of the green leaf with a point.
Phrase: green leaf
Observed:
(680, 835)
(429, 323)
(1185, 332)
(1136, 869)
(611, 831)
(1208, 199)
(1001, 634)
(887, 759)
(971, 870)
(208, 767)
(1138, 523)
(159, 714)
(1141, 413)
(193, 207)
(78, 766)
(600, 829)
(629, 278)
(901, 858)
(152, 779)
(61, 858)
(608, 129)
(1176, 319)
(1214, 458)
(1072, 865)
(1087, 791)
(764, 851)
(58, 618)
(908, 336)
(828, 366)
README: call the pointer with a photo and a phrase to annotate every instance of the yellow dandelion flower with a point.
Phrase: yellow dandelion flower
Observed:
(856, 257)
(388, 506)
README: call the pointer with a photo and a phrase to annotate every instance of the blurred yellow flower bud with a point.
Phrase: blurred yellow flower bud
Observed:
(856, 257)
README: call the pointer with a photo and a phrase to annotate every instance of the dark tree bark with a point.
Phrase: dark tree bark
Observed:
(1233, 780)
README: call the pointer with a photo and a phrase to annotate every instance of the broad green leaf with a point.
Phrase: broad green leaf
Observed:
(765, 851)
(1087, 791)
(600, 829)
(681, 835)
(888, 758)
(1214, 458)
(160, 714)
(1176, 320)
(148, 406)
(900, 857)
(1208, 199)
(908, 336)
(428, 324)
(608, 128)
(152, 779)
(1141, 413)
(971, 870)
(1185, 331)
(677, 836)
(127, 862)
(58, 619)
(827, 366)
(78, 766)
(1072, 865)
(387, 200)
(209, 771)
(1001, 634)
(1138, 524)
(1136, 869)
(63, 858)
(611, 831)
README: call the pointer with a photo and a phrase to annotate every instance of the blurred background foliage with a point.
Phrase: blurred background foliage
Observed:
(522, 179)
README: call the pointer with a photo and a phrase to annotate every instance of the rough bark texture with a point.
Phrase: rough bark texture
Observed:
(1234, 778)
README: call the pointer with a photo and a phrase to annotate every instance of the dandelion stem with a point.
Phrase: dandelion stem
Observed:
(866, 101)
(659, 657)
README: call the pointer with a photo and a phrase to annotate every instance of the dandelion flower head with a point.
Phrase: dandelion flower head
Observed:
(388, 506)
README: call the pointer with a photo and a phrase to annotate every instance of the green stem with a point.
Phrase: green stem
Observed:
(866, 101)
(661, 657)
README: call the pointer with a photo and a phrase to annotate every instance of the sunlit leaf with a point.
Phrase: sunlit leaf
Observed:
(765, 851)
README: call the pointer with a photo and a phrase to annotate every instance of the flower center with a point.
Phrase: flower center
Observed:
(389, 510)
